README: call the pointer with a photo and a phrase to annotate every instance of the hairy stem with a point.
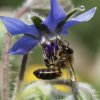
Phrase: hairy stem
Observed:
(70, 83)
(22, 72)
(74, 90)
(5, 62)
(60, 81)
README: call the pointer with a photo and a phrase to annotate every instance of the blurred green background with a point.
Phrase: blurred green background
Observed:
(84, 38)
(10, 3)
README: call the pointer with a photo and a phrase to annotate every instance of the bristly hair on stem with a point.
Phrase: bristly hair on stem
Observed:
(38, 88)
(22, 72)
(5, 92)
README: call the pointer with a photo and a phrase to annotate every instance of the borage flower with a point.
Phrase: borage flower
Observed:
(56, 22)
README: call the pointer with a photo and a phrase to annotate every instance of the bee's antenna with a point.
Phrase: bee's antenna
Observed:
(72, 73)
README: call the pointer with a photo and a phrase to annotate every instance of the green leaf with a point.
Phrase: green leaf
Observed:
(70, 14)
(37, 21)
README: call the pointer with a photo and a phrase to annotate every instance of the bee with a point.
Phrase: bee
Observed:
(57, 55)
(66, 58)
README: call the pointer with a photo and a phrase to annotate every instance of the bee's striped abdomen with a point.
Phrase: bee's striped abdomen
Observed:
(47, 74)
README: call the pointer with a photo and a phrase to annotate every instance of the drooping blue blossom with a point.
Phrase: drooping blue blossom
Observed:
(33, 34)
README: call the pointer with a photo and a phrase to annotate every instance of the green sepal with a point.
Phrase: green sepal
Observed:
(70, 14)
(37, 21)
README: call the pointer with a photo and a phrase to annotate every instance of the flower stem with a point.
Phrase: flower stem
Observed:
(23, 67)
(70, 83)
(22, 71)
(59, 81)
(74, 90)
(7, 43)
(21, 75)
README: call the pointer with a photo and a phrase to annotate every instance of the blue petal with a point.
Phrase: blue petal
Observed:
(56, 15)
(24, 45)
(81, 18)
(15, 26)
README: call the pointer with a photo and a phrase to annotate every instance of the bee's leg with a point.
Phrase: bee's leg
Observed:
(50, 62)
(47, 63)
(73, 82)
(72, 73)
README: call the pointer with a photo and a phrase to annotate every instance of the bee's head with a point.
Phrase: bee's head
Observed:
(68, 50)
(65, 49)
